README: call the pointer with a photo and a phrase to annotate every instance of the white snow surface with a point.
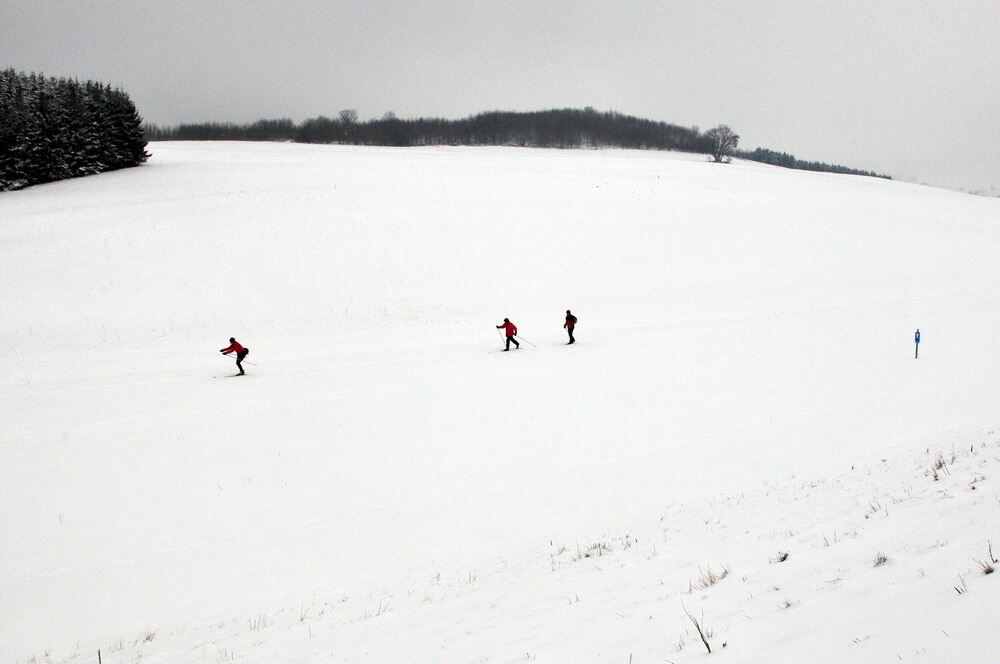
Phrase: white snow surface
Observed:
(385, 486)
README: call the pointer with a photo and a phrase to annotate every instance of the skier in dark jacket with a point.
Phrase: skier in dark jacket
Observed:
(241, 353)
(510, 330)
(569, 325)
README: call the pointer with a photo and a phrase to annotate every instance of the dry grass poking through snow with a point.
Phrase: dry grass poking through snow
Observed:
(647, 596)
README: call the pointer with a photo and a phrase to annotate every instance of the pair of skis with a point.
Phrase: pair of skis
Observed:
(245, 361)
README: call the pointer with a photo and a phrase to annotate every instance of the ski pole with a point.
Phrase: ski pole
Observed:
(523, 339)
(253, 364)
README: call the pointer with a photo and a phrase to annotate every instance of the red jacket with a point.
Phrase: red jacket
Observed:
(510, 328)
(235, 346)
(570, 321)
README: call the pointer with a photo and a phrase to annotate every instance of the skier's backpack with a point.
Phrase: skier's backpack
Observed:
(571, 318)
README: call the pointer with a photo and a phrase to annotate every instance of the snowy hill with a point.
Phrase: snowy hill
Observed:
(385, 486)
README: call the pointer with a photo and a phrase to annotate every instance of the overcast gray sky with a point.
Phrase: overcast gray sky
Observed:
(907, 87)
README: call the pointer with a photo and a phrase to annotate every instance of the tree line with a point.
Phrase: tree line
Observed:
(558, 128)
(57, 128)
(789, 161)
(563, 128)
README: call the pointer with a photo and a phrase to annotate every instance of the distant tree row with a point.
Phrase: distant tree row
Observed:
(788, 161)
(566, 128)
(57, 128)
(262, 130)
(562, 128)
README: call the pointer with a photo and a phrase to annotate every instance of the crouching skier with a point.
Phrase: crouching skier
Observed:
(241, 353)
(510, 330)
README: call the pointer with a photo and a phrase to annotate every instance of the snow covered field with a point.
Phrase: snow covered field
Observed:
(384, 486)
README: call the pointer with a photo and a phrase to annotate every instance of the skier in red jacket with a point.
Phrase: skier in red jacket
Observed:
(569, 325)
(510, 329)
(241, 353)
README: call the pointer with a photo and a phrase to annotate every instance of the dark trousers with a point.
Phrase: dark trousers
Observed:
(569, 328)
(509, 339)
(240, 356)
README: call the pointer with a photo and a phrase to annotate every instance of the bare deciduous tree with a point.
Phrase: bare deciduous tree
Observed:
(723, 141)
(348, 121)
(349, 116)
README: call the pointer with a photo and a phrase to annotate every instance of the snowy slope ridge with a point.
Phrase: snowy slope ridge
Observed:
(385, 486)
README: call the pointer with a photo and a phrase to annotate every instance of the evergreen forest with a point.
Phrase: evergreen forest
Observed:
(57, 128)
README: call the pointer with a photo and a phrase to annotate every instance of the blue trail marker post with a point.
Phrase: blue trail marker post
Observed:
(916, 344)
